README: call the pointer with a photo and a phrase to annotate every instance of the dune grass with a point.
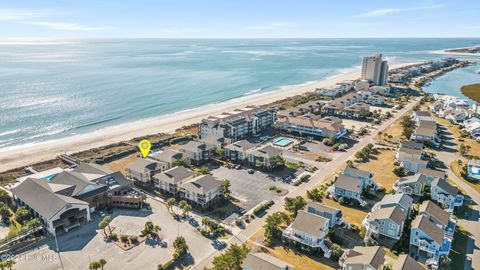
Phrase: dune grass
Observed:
(472, 91)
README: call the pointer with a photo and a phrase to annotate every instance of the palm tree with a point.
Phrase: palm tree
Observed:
(94, 265)
(205, 221)
(170, 203)
(102, 263)
(104, 223)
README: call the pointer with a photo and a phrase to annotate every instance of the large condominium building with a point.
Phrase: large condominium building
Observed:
(375, 69)
(237, 124)
(66, 200)
(321, 127)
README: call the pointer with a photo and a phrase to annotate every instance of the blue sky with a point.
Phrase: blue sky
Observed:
(239, 18)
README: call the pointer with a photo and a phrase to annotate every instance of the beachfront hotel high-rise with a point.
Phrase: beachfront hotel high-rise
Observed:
(375, 70)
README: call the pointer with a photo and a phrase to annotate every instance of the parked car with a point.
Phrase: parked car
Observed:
(251, 171)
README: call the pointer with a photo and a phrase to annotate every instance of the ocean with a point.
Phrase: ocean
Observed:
(57, 88)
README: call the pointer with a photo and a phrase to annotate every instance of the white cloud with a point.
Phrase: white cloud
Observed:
(273, 26)
(385, 11)
(41, 18)
(11, 14)
(66, 26)
(379, 12)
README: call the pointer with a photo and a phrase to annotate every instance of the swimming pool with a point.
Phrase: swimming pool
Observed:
(49, 177)
(282, 142)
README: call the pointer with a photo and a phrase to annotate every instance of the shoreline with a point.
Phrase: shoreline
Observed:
(24, 155)
(446, 51)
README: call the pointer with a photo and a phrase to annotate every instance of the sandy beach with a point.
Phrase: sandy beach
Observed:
(29, 154)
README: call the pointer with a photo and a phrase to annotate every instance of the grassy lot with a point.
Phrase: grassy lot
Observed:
(395, 129)
(119, 165)
(459, 249)
(472, 91)
(352, 215)
(455, 130)
(299, 260)
(457, 171)
(381, 165)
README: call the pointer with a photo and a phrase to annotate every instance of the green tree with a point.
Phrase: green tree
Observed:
(349, 163)
(272, 223)
(22, 215)
(203, 170)
(232, 259)
(464, 149)
(185, 206)
(399, 171)
(181, 247)
(102, 263)
(227, 193)
(277, 161)
(5, 213)
(337, 251)
(94, 265)
(219, 151)
(170, 203)
(293, 205)
(315, 195)
(104, 223)
(9, 263)
(5, 198)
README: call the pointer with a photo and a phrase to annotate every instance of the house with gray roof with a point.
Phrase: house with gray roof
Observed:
(67, 199)
(444, 193)
(143, 170)
(263, 261)
(385, 223)
(403, 201)
(237, 151)
(411, 185)
(203, 190)
(170, 180)
(308, 230)
(405, 262)
(167, 156)
(360, 258)
(261, 157)
(428, 240)
(56, 212)
(196, 152)
(351, 183)
(334, 215)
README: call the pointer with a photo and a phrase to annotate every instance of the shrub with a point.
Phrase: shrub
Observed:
(114, 236)
(133, 238)
(124, 238)
(261, 208)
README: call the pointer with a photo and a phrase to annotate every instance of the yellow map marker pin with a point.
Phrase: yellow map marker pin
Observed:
(144, 147)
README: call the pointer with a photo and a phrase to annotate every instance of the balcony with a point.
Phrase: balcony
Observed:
(289, 233)
(425, 246)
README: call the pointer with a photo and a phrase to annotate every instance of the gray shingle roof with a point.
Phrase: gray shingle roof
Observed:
(202, 184)
(429, 228)
(349, 183)
(445, 185)
(405, 262)
(395, 213)
(374, 256)
(435, 211)
(242, 145)
(433, 173)
(400, 199)
(263, 261)
(41, 197)
(322, 208)
(193, 146)
(309, 223)
(144, 165)
(175, 175)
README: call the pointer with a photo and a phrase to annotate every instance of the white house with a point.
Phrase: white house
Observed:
(444, 193)
(308, 230)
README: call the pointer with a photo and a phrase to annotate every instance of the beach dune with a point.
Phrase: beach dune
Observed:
(28, 154)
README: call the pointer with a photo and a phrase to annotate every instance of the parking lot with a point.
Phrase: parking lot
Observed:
(252, 189)
(84, 244)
